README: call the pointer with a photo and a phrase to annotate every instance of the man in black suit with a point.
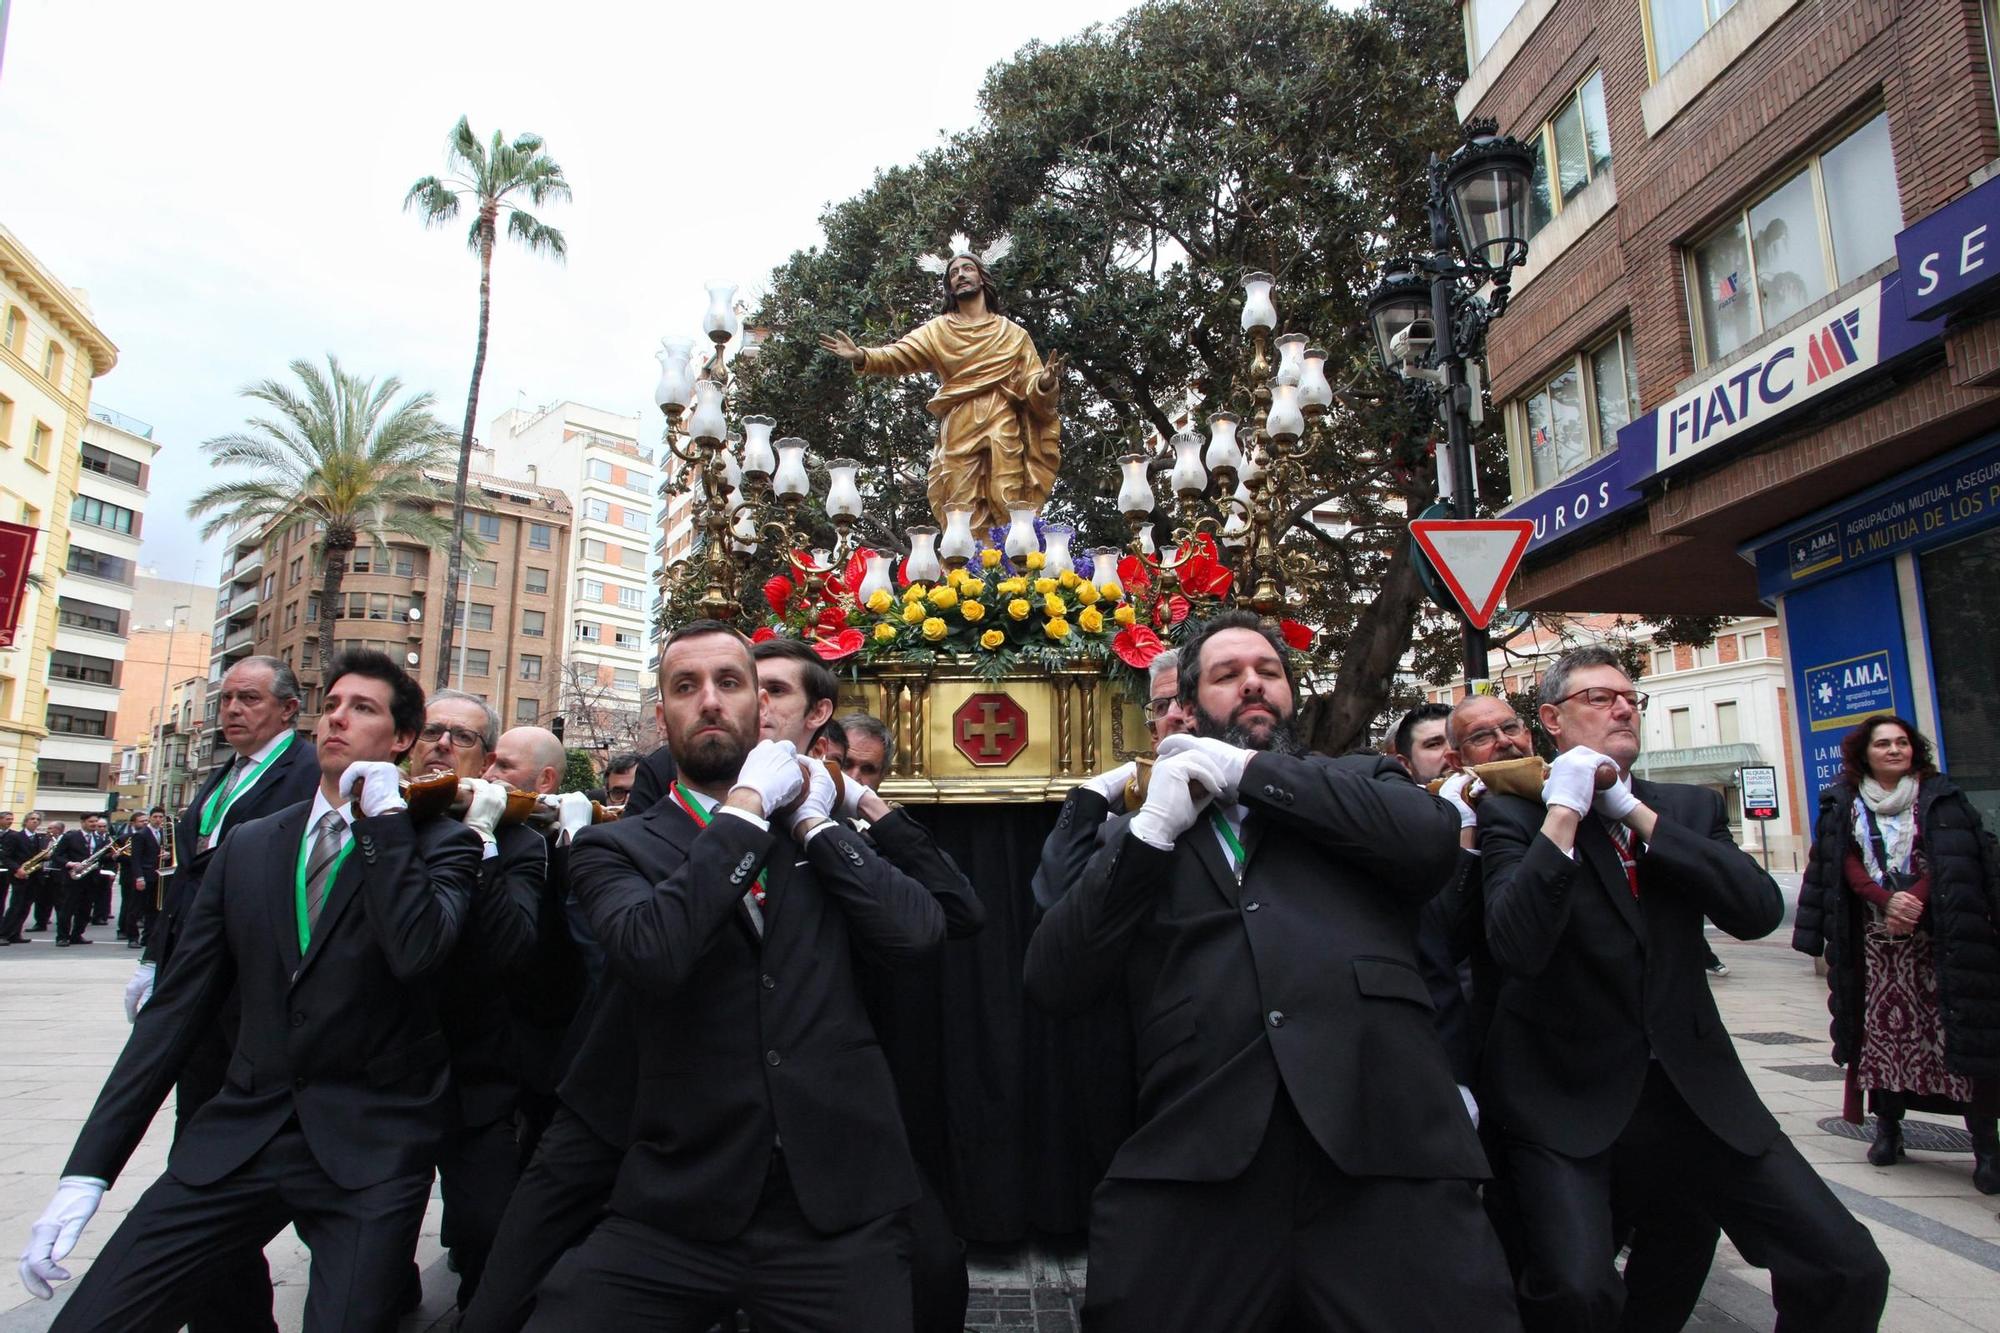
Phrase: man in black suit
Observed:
(47, 893)
(1607, 1064)
(1298, 1123)
(17, 847)
(768, 1168)
(269, 768)
(334, 917)
(141, 875)
(81, 858)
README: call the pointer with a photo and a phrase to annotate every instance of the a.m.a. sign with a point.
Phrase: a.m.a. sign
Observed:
(1814, 550)
(1840, 694)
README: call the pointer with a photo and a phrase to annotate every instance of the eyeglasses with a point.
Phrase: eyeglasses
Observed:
(460, 737)
(1157, 707)
(1602, 699)
(1511, 729)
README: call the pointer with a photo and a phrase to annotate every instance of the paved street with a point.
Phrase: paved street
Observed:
(64, 1026)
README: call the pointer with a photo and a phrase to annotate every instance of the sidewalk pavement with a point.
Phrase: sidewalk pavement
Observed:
(64, 1023)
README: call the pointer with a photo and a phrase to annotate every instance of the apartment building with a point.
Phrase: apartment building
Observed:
(1752, 365)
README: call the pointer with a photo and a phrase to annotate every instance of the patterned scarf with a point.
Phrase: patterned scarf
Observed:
(1892, 809)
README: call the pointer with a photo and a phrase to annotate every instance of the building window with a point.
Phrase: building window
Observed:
(1672, 26)
(17, 328)
(406, 561)
(476, 661)
(70, 774)
(270, 584)
(485, 574)
(1663, 661)
(263, 627)
(633, 599)
(625, 638)
(481, 617)
(97, 565)
(69, 721)
(361, 559)
(537, 580)
(1726, 732)
(82, 668)
(587, 631)
(312, 606)
(401, 606)
(305, 661)
(291, 615)
(378, 606)
(105, 463)
(597, 511)
(594, 549)
(527, 710)
(295, 572)
(286, 657)
(590, 590)
(1827, 223)
(7, 421)
(489, 527)
(74, 614)
(1577, 143)
(633, 519)
(52, 362)
(1485, 20)
(101, 514)
(597, 470)
(541, 536)
(1989, 12)
(624, 678)
(1681, 727)
(531, 666)
(534, 624)
(1753, 644)
(39, 439)
(1577, 413)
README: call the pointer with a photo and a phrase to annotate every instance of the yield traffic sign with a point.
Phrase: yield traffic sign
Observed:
(1475, 557)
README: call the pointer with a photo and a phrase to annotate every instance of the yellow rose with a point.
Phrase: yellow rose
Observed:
(1053, 605)
(972, 588)
(884, 632)
(956, 577)
(914, 593)
(1112, 588)
(989, 558)
(913, 612)
(1043, 587)
(1091, 620)
(974, 612)
(1086, 592)
(1035, 560)
(1057, 628)
(1125, 615)
(944, 599)
(880, 601)
(1012, 587)
(1069, 578)
(992, 639)
(934, 629)
(1018, 609)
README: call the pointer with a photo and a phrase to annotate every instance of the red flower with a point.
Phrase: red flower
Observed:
(762, 634)
(857, 569)
(1298, 636)
(1201, 573)
(833, 647)
(832, 619)
(1171, 610)
(778, 592)
(1137, 646)
(1133, 573)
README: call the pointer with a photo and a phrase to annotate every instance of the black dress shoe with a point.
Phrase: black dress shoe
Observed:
(19, 939)
(132, 942)
(1887, 1149)
(42, 929)
(81, 940)
(62, 944)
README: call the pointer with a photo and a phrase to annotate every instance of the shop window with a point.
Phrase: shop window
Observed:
(1572, 148)
(1824, 224)
(1726, 728)
(1680, 728)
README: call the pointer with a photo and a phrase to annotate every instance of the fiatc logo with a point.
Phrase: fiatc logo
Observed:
(1832, 349)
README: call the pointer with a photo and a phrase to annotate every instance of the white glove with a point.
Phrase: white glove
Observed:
(378, 787)
(1457, 789)
(489, 802)
(138, 990)
(55, 1233)
(1111, 786)
(1180, 789)
(1572, 780)
(1617, 800)
(772, 771)
(818, 803)
(573, 813)
(1226, 761)
(852, 794)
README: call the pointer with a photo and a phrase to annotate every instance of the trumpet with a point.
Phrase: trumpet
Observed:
(114, 849)
(441, 794)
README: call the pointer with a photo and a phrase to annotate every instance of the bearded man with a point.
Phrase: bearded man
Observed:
(1298, 1122)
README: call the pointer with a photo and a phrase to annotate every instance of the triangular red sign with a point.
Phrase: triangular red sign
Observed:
(1475, 557)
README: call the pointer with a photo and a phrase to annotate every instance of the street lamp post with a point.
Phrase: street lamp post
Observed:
(158, 747)
(1428, 318)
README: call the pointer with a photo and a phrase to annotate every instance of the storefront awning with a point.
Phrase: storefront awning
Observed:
(1698, 764)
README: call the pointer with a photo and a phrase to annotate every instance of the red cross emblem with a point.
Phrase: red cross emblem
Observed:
(990, 729)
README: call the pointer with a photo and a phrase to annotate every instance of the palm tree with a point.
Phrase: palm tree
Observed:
(337, 450)
(493, 176)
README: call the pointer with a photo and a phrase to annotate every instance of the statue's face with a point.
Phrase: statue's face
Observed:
(962, 277)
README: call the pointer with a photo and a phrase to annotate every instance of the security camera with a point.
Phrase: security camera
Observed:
(1410, 344)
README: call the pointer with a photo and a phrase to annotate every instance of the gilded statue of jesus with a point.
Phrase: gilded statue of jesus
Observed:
(999, 438)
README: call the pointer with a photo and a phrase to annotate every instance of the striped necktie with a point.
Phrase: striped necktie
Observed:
(319, 870)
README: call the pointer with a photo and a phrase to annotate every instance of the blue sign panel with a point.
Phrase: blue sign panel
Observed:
(1845, 639)
(1953, 255)
(1583, 497)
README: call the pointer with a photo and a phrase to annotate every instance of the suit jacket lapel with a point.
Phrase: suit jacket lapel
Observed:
(1595, 844)
(1213, 859)
(281, 873)
(338, 895)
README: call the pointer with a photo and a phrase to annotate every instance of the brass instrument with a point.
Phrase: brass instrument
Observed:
(165, 867)
(115, 849)
(34, 863)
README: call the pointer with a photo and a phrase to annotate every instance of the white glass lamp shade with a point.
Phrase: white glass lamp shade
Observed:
(732, 470)
(843, 497)
(744, 531)
(1291, 358)
(1021, 538)
(676, 386)
(1056, 538)
(719, 321)
(1253, 465)
(790, 478)
(1146, 546)
(758, 458)
(874, 579)
(1135, 490)
(1188, 472)
(1223, 451)
(1104, 566)
(707, 425)
(1314, 391)
(1258, 312)
(959, 543)
(1285, 421)
(1236, 527)
(923, 565)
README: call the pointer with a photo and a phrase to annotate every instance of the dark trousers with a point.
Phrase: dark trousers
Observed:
(1826, 1274)
(15, 897)
(477, 1169)
(1294, 1243)
(233, 1294)
(135, 902)
(559, 1197)
(360, 1241)
(74, 903)
(100, 899)
(28, 894)
(788, 1277)
(937, 1266)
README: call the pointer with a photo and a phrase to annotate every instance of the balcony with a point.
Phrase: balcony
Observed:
(248, 565)
(240, 641)
(241, 602)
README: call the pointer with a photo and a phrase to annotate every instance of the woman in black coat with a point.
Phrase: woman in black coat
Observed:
(1900, 896)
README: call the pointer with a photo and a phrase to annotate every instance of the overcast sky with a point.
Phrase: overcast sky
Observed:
(225, 180)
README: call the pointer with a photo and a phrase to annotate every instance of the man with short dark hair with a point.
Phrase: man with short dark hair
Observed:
(17, 847)
(1607, 1060)
(831, 743)
(871, 749)
(333, 916)
(137, 908)
(1419, 741)
(619, 775)
(82, 855)
(1298, 1123)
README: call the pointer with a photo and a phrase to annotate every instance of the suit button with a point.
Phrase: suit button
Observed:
(1277, 1018)
(771, 1058)
(768, 982)
(1251, 907)
(299, 1084)
(298, 1020)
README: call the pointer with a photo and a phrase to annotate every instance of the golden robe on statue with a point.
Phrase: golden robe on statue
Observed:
(998, 430)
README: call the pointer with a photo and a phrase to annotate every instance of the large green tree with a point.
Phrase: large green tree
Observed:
(495, 177)
(339, 449)
(1141, 168)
